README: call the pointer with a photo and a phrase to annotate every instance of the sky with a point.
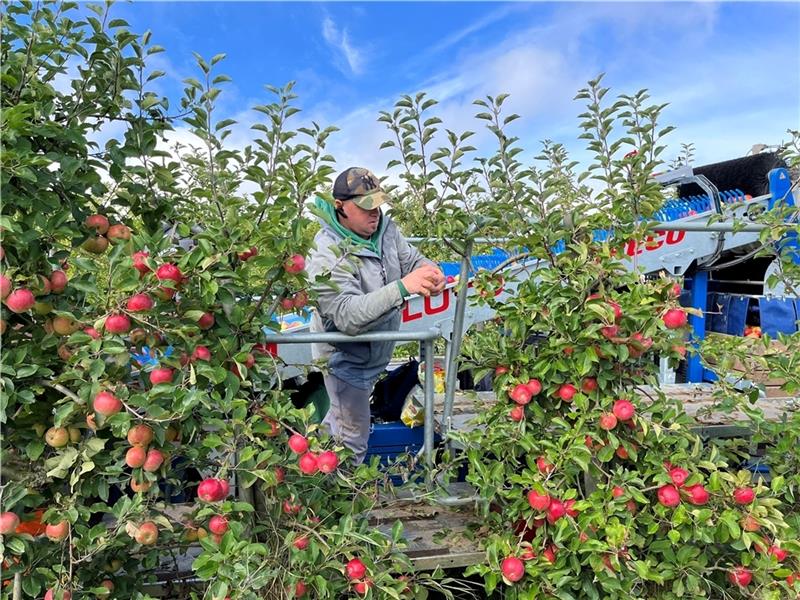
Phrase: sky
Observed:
(730, 71)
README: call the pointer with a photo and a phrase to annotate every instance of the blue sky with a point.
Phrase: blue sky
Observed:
(730, 71)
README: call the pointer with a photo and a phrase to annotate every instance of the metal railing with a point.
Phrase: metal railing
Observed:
(426, 338)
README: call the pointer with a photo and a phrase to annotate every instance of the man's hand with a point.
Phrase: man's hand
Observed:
(427, 280)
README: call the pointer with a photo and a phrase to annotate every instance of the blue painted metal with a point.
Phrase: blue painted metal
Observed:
(780, 187)
(699, 300)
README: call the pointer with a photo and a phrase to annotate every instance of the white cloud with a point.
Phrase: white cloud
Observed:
(339, 40)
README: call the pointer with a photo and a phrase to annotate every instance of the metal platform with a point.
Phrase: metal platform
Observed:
(697, 399)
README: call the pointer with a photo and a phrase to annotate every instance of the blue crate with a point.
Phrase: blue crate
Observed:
(390, 440)
(479, 261)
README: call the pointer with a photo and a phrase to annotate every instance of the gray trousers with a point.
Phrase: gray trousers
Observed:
(348, 418)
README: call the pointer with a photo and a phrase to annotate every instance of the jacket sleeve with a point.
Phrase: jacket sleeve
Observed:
(410, 257)
(341, 299)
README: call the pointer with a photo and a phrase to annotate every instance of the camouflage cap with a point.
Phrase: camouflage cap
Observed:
(361, 186)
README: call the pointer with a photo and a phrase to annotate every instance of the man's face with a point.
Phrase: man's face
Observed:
(359, 220)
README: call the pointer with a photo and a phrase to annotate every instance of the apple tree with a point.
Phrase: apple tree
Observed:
(146, 433)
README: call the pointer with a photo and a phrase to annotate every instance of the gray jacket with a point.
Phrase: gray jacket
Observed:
(361, 295)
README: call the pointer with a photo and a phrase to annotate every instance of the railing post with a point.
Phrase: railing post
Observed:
(456, 338)
(430, 423)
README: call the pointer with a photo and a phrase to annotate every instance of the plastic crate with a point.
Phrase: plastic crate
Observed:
(391, 440)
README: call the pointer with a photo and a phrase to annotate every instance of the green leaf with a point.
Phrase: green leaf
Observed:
(58, 466)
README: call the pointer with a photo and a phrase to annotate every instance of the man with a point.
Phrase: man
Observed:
(373, 270)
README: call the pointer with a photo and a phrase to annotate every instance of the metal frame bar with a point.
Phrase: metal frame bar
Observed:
(699, 299)
(426, 337)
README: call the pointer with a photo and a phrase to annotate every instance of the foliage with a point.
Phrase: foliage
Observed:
(186, 366)
(582, 329)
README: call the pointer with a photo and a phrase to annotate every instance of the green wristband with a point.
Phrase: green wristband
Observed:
(403, 291)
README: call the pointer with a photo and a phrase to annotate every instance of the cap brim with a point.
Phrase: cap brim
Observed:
(371, 201)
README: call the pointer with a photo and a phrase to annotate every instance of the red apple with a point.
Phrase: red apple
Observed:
(57, 532)
(327, 462)
(52, 594)
(534, 386)
(779, 553)
(544, 466)
(617, 310)
(294, 264)
(161, 375)
(118, 324)
(740, 576)
(520, 394)
(140, 486)
(210, 490)
(9, 522)
(154, 460)
(617, 491)
(139, 303)
(698, 494)
(308, 463)
(280, 474)
(92, 333)
(608, 421)
(20, 300)
(135, 457)
(99, 223)
(118, 232)
(299, 589)
(549, 553)
(517, 413)
(589, 385)
(300, 300)
(678, 476)
(362, 587)
(218, 524)
(668, 495)
(300, 542)
(744, 495)
(624, 410)
(147, 533)
(225, 487)
(513, 568)
(106, 404)
(5, 287)
(566, 392)
(140, 435)
(206, 321)
(290, 508)
(170, 272)
(140, 262)
(355, 569)
(298, 444)
(500, 370)
(58, 281)
(610, 331)
(538, 502)
(675, 318)
(201, 353)
(556, 510)
(287, 304)
(750, 523)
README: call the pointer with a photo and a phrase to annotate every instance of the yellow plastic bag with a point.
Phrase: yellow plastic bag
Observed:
(413, 413)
